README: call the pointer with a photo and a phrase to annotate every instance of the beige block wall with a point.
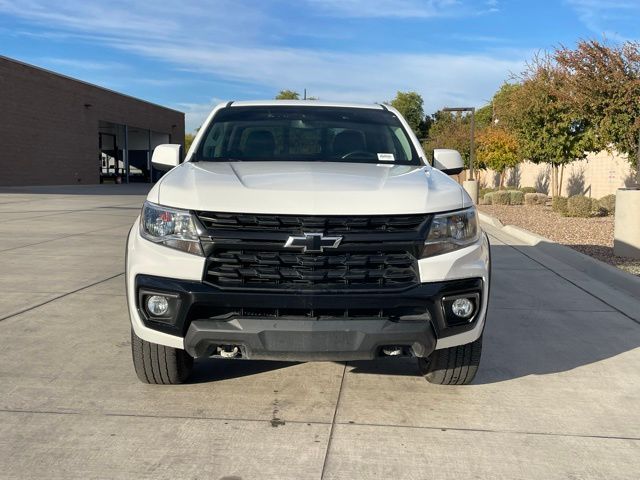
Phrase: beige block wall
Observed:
(598, 175)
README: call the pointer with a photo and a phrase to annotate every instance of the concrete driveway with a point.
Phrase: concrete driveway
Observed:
(557, 395)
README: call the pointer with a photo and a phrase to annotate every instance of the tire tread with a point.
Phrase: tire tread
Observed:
(158, 364)
(454, 365)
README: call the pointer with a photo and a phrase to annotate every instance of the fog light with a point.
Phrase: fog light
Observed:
(157, 305)
(462, 307)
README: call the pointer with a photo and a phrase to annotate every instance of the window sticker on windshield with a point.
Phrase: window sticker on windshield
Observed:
(386, 157)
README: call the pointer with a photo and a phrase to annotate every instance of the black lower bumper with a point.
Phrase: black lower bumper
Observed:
(303, 340)
(312, 326)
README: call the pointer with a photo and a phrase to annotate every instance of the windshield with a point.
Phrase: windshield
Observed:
(319, 134)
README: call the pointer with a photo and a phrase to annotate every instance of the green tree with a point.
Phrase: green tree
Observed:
(188, 140)
(497, 149)
(505, 106)
(604, 84)
(288, 95)
(411, 106)
(449, 130)
(484, 116)
(548, 127)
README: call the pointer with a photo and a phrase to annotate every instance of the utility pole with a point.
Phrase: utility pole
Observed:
(473, 133)
(472, 153)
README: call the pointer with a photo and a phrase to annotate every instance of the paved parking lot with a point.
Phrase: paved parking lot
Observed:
(557, 395)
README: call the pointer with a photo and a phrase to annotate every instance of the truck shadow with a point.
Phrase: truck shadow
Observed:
(207, 370)
(539, 323)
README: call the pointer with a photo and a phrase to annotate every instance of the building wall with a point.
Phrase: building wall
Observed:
(49, 125)
(598, 175)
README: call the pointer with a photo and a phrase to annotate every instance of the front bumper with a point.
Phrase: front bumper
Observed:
(307, 340)
(157, 268)
(294, 326)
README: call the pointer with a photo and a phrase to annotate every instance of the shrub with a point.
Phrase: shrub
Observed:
(579, 206)
(501, 198)
(487, 198)
(528, 190)
(608, 203)
(531, 198)
(484, 191)
(559, 204)
(516, 197)
(598, 210)
(535, 199)
(542, 198)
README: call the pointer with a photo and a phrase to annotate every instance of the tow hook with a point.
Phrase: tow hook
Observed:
(392, 351)
(228, 351)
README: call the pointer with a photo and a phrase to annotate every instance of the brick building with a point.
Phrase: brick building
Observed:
(56, 130)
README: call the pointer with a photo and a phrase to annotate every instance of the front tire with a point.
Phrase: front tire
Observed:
(454, 365)
(159, 365)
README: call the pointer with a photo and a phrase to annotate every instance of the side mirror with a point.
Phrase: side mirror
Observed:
(448, 161)
(167, 156)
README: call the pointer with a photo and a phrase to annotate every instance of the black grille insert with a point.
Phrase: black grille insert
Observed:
(330, 225)
(308, 271)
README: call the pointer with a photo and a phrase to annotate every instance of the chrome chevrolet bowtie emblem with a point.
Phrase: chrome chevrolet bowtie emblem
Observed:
(312, 242)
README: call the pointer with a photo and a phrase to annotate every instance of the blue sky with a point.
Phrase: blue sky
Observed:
(190, 55)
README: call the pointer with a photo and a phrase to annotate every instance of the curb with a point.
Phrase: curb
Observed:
(593, 268)
(527, 236)
(493, 221)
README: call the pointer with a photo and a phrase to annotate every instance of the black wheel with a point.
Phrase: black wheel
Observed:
(160, 365)
(453, 365)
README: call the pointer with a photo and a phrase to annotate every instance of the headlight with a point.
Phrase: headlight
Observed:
(451, 231)
(170, 227)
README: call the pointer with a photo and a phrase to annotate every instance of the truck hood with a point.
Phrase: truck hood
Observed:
(308, 188)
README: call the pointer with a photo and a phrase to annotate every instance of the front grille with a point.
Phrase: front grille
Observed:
(375, 252)
(330, 225)
(310, 271)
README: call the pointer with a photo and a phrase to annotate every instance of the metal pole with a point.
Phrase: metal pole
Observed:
(472, 151)
(473, 127)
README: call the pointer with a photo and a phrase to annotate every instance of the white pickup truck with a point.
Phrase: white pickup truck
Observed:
(298, 230)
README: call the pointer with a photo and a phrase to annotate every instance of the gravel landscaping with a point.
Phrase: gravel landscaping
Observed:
(591, 236)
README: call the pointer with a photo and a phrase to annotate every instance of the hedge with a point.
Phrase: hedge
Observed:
(516, 197)
(608, 203)
(579, 206)
(501, 197)
(559, 204)
(484, 191)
